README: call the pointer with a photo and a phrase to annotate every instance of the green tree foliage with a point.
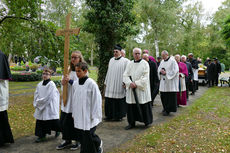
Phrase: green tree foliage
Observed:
(160, 20)
(110, 21)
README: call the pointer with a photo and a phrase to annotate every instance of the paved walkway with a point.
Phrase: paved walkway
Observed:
(112, 133)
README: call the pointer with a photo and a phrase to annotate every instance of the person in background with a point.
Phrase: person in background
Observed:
(150, 57)
(189, 78)
(158, 61)
(168, 73)
(153, 77)
(218, 71)
(115, 105)
(183, 73)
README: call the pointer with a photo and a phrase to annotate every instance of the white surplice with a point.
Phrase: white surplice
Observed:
(170, 81)
(4, 95)
(46, 101)
(114, 78)
(139, 73)
(68, 107)
(86, 104)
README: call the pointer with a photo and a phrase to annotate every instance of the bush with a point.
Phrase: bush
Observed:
(39, 72)
(57, 82)
(18, 68)
(26, 76)
(34, 67)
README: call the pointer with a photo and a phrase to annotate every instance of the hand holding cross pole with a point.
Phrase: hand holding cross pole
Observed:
(66, 32)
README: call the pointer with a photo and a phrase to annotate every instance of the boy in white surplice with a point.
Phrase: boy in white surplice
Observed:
(46, 103)
(87, 110)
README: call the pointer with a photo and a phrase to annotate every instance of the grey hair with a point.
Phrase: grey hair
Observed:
(165, 52)
(138, 49)
(123, 51)
(190, 54)
(183, 56)
(145, 54)
(177, 55)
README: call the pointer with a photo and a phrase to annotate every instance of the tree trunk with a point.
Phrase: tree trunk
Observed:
(157, 48)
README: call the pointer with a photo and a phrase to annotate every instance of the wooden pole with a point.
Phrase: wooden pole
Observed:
(66, 32)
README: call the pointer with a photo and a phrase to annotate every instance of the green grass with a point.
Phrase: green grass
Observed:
(21, 108)
(202, 127)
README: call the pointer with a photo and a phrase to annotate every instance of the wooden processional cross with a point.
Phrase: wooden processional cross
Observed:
(66, 32)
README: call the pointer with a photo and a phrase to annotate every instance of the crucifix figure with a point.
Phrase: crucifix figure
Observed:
(66, 32)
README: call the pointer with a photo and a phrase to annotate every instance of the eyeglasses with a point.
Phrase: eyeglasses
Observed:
(137, 53)
(75, 57)
(45, 74)
(115, 51)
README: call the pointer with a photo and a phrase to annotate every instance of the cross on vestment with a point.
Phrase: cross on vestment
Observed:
(66, 32)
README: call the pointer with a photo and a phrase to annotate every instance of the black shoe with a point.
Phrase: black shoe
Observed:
(100, 149)
(129, 127)
(38, 140)
(76, 146)
(63, 144)
(165, 113)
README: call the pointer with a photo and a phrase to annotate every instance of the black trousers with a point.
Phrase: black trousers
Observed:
(67, 127)
(44, 127)
(115, 108)
(217, 79)
(5, 131)
(90, 142)
(210, 83)
(187, 89)
(169, 101)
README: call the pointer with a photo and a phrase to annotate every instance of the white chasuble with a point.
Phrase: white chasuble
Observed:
(4, 95)
(46, 101)
(68, 107)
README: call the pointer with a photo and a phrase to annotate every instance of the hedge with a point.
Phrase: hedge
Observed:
(26, 76)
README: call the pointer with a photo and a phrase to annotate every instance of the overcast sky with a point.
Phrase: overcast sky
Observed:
(211, 6)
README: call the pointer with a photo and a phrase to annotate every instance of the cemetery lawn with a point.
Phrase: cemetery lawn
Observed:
(204, 126)
(21, 108)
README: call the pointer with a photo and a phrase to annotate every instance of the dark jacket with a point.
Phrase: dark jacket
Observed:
(190, 72)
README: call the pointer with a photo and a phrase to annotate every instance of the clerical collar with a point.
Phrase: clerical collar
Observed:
(118, 58)
(138, 61)
(45, 82)
(82, 80)
(167, 59)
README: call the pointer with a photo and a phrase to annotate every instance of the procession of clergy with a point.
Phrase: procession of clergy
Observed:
(130, 89)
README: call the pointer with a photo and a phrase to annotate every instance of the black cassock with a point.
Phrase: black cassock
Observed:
(5, 131)
(154, 81)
